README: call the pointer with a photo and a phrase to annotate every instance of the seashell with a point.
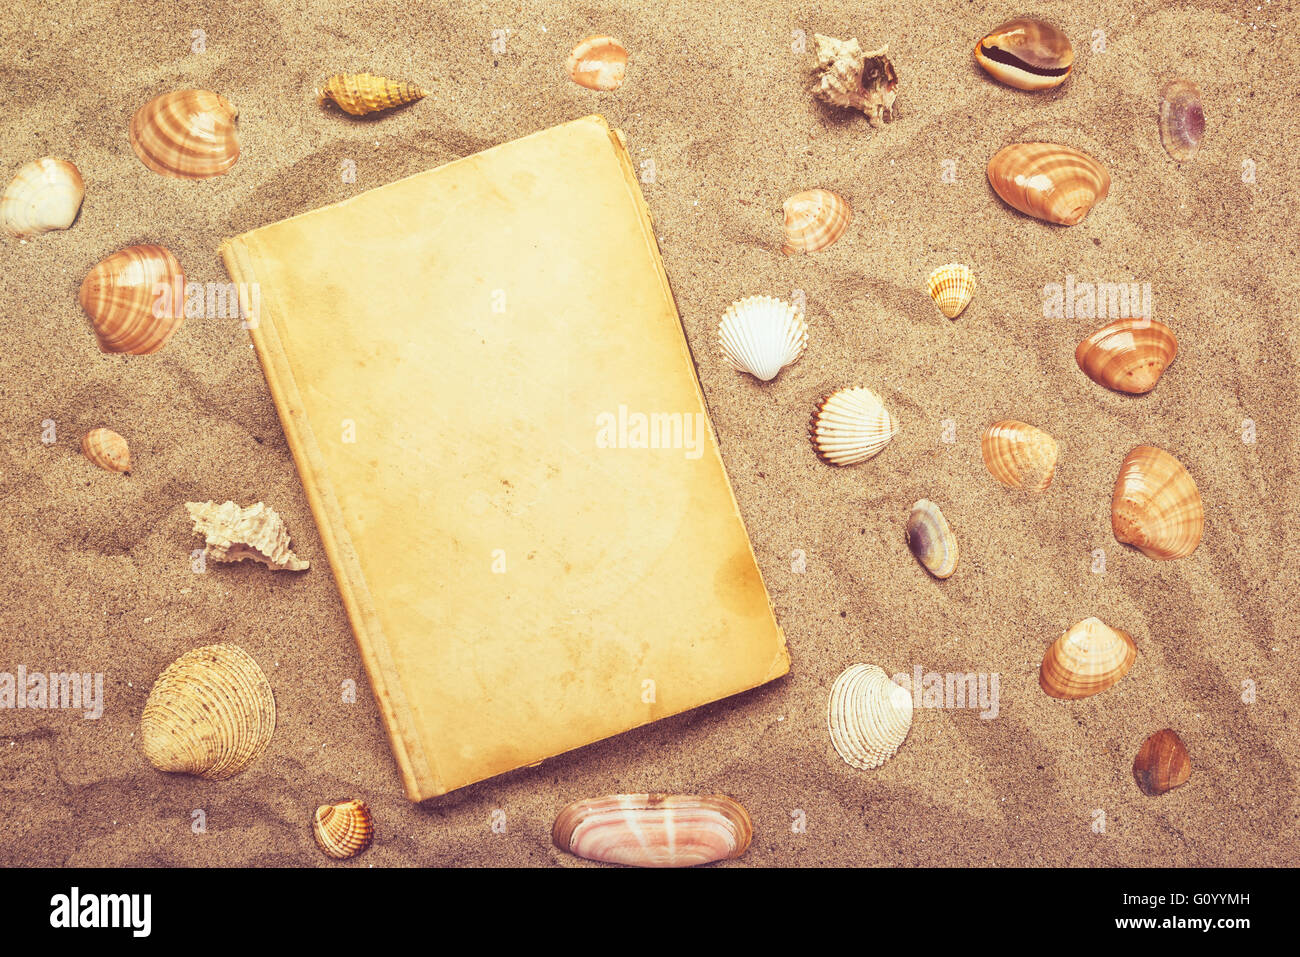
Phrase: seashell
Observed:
(951, 287)
(761, 335)
(1156, 506)
(233, 534)
(135, 299)
(343, 830)
(1128, 355)
(1048, 181)
(868, 716)
(44, 194)
(1162, 763)
(1019, 455)
(850, 426)
(210, 713)
(598, 63)
(931, 540)
(849, 77)
(106, 449)
(814, 219)
(1182, 119)
(1027, 54)
(1087, 659)
(188, 134)
(654, 830)
(362, 93)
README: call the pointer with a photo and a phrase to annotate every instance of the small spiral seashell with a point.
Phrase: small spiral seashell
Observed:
(1182, 119)
(343, 830)
(1019, 455)
(598, 63)
(44, 194)
(654, 830)
(814, 219)
(1086, 660)
(762, 335)
(951, 287)
(188, 134)
(1027, 54)
(850, 426)
(1162, 763)
(362, 93)
(1156, 506)
(1055, 183)
(1128, 355)
(931, 540)
(868, 716)
(135, 299)
(106, 449)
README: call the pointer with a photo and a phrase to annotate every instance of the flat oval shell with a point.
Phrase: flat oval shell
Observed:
(654, 830)
(187, 134)
(1156, 506)
(868, 716)
(135, 299)
(814, 219)
(951, 287)
(930, 539)
(1162, 763)
(1182, 119)
(598, 63)
(1019, 455)
(44, 194)
(1051, 182)
(106, 449)
(1089, 658)
(343, 830)
(1128, 355)
(762, 335)
(850, 426)
(1027, 54)
(362, 93)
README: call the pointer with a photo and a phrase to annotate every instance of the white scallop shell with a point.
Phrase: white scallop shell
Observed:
(850, 426)
(868, 716)
(951, 287)
(761, 335)
(45, 194)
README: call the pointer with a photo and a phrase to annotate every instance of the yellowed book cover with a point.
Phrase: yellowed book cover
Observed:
(483, 378)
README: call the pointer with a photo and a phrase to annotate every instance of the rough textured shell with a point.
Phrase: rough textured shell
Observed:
(343, 830)
(1182, 119)
(1087, 659)
(210, 713)
(1128, 355)
(1156, 505)
(1162, 763)
(868, 716)
(931, 540)
(233, 534)
(598, 63)
(362, 93)
(850, 426)
(1027, 54)
(1051, 182)
(762, 335)
(44, 194)
(951, 287)
(106, 449)
(188, 134)
(135, 299)
(814, 219)
(1019, 455)
(654, 830)
(849, 77)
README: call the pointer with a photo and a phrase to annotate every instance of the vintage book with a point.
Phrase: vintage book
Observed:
(483, 378)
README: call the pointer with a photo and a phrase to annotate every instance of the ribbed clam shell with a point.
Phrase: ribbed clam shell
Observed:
(814, 219)
(1027, 54)
(1182, 119)
(210, 713)
(1089, 658)
(850, 426)
(598, 63)
(1156, 506)
(868, 716)
(44, 194)
(1056, 183)
(1019, 455)
(762, 335)
(951, 287)
(106, 449)
(343, 830)
(931, 540)
(847, 76)
(1162, 763)
(135, 299)
(187, 134)
(362, 93)
(232, 534)
(1128, 355)
(654, 830)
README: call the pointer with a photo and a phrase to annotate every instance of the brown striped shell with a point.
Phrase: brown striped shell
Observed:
(1055, 183)
(1089, 658)
(1027, 54)
(343, 830)
(814, 219)
(1128, 355)
(187, 134)
(362, 93)
(135, 299)
(1019, 455)
(654, 830)
(1162, 763)
(1156, 506)
(951, 287)
(106, 449)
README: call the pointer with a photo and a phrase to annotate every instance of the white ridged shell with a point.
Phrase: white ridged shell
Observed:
(761, 335)
(868, 716)
(850, 426)
(951, 287)
(44, 194)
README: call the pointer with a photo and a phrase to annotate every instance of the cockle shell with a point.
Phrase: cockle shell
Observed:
(106, 449)
(931, 540)
(1027, 54)
(951, 287)
(868, 716)
(654, 830)
(814, 219)
(598, 63)
(362, 93)
(850, 426)
(1128, 355)
(1019, 455)
(1182, 119)
(135, 299)
(233, 534)
(761, 335)
(1056, 183)
(343, 830)
(1162, 763)
(188, 134)
(210, 713)
(1089, 658)
(44, 194)
(1156, 506)
(849, 77)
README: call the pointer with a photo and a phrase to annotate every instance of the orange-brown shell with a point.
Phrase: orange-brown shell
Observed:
(1089, 658)
(654, 830)
(1055, 183)
(1027, 54)
(135, 299)
(1019, 455)
(362, 93)
(1128, 355)
(1156, 506)
(814, 219)
(1162, 763)
(343, 830)
(187, 134)
(598, 63)
(106, 449)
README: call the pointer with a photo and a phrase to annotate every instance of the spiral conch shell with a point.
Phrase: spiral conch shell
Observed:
(362, 93)
(598, 63)
(1156, 506)
(1128, 355)
(761, 335)
(44, 194)
(135, 299)
(849, 77)
(1089, 658)
(343, 830)
(1027, 54)
(951, 287)
(188, 134)
(654, 830)
(233, 534)
(1055, 183)
(1019, 455)
(868, 716)
(814, 219)
(931, 540)
(851, 426)
(210, 713)
(1162, 763)
(106, 449)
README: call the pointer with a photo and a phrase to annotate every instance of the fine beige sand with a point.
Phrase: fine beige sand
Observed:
(94, 567)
